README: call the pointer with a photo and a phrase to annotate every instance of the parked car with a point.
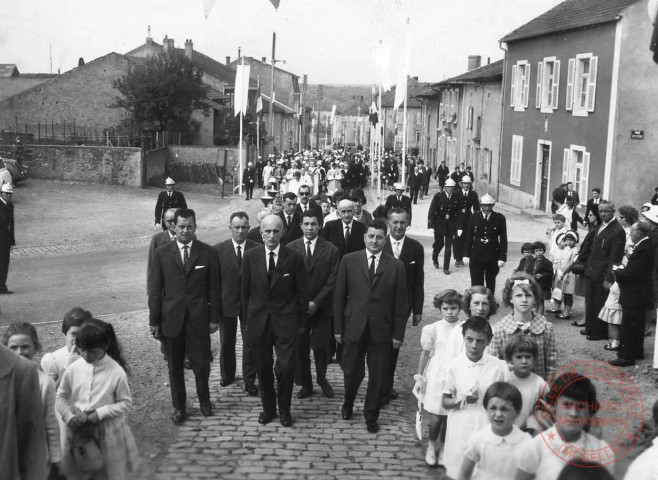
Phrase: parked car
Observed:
(17, 173)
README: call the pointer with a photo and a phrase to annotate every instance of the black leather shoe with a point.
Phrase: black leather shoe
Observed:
(225, 383)
(393, 394)
(251, 389)
(621, 362)
(346, 411)
(436, 265)
(459, 263)
(305, 392)
(595, 338)
(206, 408)
(178, 416)
(584, 332)
(577, 324)
(6, 292)
(264, 418)
(187, 364)
(327, 389)
(286, 419)
(446, 272)
(372, 426)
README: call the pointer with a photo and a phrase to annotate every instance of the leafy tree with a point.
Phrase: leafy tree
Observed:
(165, 88)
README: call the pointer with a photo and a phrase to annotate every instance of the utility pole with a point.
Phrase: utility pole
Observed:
(272, 91)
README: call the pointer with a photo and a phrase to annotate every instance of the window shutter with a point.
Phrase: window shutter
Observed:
(513, 90)
(556, 84)
(584, 177)
(591, 88)
(571, 72)
(539, 82)
(565, 166)
(526, 85)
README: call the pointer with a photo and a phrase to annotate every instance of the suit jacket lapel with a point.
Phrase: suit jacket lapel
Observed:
(178, 261)
(319, 248)
(281, 263)
(383, 264)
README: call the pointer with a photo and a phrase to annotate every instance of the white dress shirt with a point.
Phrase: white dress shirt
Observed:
(182, 252)
(397, 244)
(267, 257)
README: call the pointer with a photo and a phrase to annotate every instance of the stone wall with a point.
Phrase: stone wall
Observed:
(109, 165)
(155, 166)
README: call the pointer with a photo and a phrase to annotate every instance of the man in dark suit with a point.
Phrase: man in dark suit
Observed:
(275, 308)
(169, 198)
(249, 180)
(230, 254)
(593, 203)
(345, 233)
(370, 314)
(442, 217)
(399, 200)
(411, 253)
(485, 245)
(414, 182)
(290, 218)
(442, 174)
(254, 234)
(162, 238)
(636, 295)
(605, 250)
(573, 200)
(7, 238)
(469, 204)
(321, 261)
(185, 309)
(306, 202)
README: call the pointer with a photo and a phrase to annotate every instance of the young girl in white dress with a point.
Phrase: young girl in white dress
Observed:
(429, 379)
(564, 278)
(489, 453)
(467, 378)
(97, 412)
(22, 339)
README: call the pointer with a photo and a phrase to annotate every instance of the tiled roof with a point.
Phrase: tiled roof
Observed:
(7, 70)
(414, 87)
(570, 15)
(487, 73)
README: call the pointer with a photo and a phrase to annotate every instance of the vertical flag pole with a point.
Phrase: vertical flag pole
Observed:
(380, 146)
(404, 138)
(241, 113)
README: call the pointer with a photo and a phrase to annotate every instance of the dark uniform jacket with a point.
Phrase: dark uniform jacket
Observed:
(7, 238)
(469, 204)
(165, 202)
(404, 202)
(486, 240)
(443, 213)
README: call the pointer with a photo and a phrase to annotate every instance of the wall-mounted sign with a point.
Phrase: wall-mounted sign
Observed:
(637, 134)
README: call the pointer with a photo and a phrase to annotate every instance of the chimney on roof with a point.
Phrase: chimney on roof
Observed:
(228, 59)
(165, 43)
(189, 48)
(474, 61)
(149, 40)
(488, 60)
(415, 78)
(263, 59)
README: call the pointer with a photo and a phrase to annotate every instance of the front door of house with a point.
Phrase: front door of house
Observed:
(545, 157)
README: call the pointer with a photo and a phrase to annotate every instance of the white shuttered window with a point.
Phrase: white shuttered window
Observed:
(575, 168)
(515, 164)
(581, 86)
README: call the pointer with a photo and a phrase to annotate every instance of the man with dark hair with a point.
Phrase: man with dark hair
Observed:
(321, 261)
(605, 250)
(593, 203)
(185, 309)
(370, 314)
(230, 253)
(275, 308)
(291, 219)
(411, 253)
(636, 295)
(306, 203)
(7, 237)
(469, 204)
(442, 174)
(442, 218)
(573, 200)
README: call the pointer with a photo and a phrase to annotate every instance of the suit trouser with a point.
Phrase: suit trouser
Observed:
(283, 369)
(198, 352)
(632, 332)
(250, 190)
(316, 338)
(227, 337)
(377, 355)
(442, 238)
(484, 273)
(414, 194)
(459, 244)
(595, 297)
(5, 251)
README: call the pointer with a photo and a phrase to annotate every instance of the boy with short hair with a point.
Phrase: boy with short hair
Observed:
(559, 226)
(542, 271)
(527, 260)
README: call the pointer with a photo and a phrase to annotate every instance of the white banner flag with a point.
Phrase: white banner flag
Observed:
(333, 113)
(241, 95)
(207, 7)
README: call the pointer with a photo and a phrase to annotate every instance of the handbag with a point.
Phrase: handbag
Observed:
(86, 450)
(578, 268)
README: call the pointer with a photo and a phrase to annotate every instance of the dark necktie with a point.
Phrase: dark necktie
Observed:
(186, 257)
(372, 267)
(308, 251)
(289, 220)
(347, 234)
(239, 256)
(271, 267)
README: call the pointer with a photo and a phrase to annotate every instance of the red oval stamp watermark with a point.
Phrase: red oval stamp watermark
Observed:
(614, 421)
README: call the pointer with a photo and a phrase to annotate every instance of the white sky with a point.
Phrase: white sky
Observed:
(331, 40)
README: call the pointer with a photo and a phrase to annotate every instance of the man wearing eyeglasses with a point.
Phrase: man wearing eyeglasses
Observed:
(307, 203)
